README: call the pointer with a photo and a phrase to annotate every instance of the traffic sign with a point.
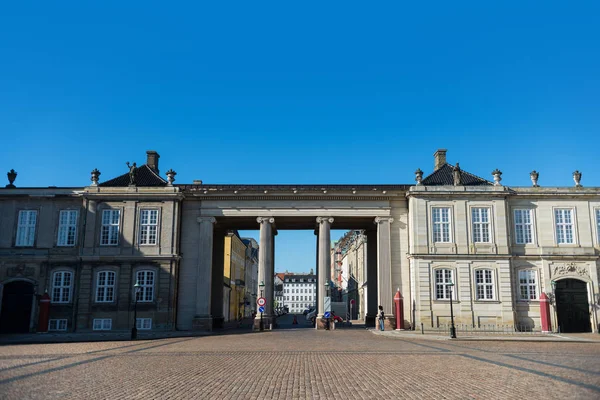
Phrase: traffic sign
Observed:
(261, 309)
(352, 301)
(261, 301)
(327, 314)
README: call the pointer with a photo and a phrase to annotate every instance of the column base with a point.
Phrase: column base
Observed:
(202, 323)
(389, 323)
(321, 324)
(267, 322)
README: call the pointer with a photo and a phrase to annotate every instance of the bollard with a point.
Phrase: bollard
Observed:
(422, 329)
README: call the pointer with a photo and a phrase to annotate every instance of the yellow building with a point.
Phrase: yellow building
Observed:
(234, 274)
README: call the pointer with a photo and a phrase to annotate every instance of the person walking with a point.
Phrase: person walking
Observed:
(381, 317)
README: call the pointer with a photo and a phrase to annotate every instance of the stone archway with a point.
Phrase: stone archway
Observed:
(17, 304)
(572, 307)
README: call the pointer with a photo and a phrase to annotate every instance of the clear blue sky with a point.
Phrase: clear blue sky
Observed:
(303, 92)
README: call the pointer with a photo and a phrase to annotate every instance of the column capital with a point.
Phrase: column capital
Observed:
(212, 220)
(270, 220)
(322, 220)
(379, 220)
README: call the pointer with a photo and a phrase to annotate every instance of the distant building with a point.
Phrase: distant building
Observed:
(300, 291)
(278, 291)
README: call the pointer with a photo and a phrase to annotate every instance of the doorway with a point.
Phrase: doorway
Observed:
(17, 301)
(572, 306)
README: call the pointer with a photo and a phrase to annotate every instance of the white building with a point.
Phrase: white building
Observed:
(300, 291)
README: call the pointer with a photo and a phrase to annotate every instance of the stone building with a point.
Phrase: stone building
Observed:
(300, 291)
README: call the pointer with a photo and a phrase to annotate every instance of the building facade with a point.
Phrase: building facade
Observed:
(498, 252)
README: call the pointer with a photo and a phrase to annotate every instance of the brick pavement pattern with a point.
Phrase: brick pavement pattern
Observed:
(300, 364)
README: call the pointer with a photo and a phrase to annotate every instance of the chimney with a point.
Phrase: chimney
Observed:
(152, 160)
(440, 158)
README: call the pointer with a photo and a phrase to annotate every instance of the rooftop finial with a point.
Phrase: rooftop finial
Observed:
(12, 175)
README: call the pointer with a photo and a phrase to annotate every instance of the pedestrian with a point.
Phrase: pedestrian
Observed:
(381, 317)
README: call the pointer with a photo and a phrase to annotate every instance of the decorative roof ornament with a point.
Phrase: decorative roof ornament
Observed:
(419, 176)
(456, 175)
(95, 177)
(497, 177)
(132, 173)
(577, 178)
(12, 175)
(534, 175)
(171, 177)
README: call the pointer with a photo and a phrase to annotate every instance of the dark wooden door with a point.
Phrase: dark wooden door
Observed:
(17, 300)
(572, 306)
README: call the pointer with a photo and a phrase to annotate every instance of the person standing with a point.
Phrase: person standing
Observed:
(381, 317)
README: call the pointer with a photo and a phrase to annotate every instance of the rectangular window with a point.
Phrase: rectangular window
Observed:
(484, 282)
(105, 287)
(143, 323)
(61, 287)
(527, 285)
(148, 227)
(441, 224)
(598, 224)
(109, 236)
(443, 290)
(67, 228)
(523, 227)
(57, 325)
(563, 219)
(146, 281)
(26, 228)
(102, 324)
(481, 225)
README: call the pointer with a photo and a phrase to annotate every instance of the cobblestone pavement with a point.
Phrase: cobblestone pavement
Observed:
(300, 364)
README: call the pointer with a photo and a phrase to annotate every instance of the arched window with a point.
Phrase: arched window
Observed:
(484, 284)
(61, 286)
(443, 279)
(145, 278)
(105, 287)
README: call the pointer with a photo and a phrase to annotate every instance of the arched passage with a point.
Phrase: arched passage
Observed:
(572, 306)
(17, 302)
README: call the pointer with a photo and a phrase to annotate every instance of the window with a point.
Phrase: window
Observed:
(148, 226)
(143, 323)
(442, 289)
(109, 236)
(563, 219)
(441, 224)
(57, 325)
(146, 280)
(26, 228)
(527, 285)
(481, 225)
(67, 228)
(598, 223)
(105, 287)
(61, 287)
(484, 282)
(102, 324)
(523, 227)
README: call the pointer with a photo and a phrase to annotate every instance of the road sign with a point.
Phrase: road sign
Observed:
(261, 301)
(327, 314)
(261, 309)
(327, 302)
(352, 301)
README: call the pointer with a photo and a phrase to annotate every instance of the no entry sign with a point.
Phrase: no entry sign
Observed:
(261, 301)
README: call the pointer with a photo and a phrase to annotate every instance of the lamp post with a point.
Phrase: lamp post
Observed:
(262, 290)
(137, 288)
(452, 328)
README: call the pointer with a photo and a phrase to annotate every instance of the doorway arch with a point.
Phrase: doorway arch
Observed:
(17, 304)
(572, 307)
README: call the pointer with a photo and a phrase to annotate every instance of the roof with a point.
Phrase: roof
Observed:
(444, 176)
(145, 176)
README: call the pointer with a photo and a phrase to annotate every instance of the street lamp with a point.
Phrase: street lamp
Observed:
(452, 328)
(262, 291)
(137, 288)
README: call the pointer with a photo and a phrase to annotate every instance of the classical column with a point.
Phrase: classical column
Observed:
(384, 266)
(371, 306)
(265, 268)
(324, 256)
(203, 318)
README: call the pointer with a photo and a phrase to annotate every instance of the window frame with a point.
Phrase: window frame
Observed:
(492, 284)
(58, 322)
(139, 324)
(97, 286)
(145, 286)
(62, 286)
(488, 223)
(103, 225)
(68, 225)
(444, 284)
(441, 223)
(531, 224)
(28, 226)
(597, 215)
(156, 225)
(573, 224)
(528, 284)
(102, 325)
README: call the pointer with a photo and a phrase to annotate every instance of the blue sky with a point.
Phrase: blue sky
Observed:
(281, 92)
